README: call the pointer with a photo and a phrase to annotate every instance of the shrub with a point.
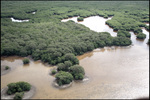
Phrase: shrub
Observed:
(63, 78)
(61, 67)
(80, 18)
(18, 87)
(121, 41)
(26, 61)
(71, 57)
(137, 30)
(105, 16)
(79, 76)
(68, 64)
(147, 28)
(123, 33)
(77, 72)
(119, 34)
(53, 72)
(18, 96)
(141, 36)
(6, 67)
(64, 66)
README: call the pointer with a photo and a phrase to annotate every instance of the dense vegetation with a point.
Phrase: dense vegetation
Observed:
(141, 36)
(122, 33)
(63, 78)
(69, 60)
(26, 61)
(18, 95)
(70, 66)
(77, 72)
(147, 28)
(45, 37)
(18, 87)
(80, 18)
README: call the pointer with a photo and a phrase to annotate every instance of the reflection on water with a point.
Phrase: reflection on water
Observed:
(113, 72)
(95, 23)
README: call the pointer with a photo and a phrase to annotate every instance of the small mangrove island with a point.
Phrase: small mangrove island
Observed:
(19, 90)
(68, 70)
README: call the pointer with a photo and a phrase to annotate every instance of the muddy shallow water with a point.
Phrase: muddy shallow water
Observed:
(113, 72)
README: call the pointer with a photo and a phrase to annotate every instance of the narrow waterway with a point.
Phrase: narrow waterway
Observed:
(114, 72)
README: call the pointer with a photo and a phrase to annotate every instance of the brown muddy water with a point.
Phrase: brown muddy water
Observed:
(113, 72)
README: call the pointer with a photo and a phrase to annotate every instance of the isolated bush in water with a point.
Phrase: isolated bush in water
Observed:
(18, 95)
(53, 72)
(77, 72)
(26, 61)
(6, 67)
(141, 36)
(18, 87)
(63, 78)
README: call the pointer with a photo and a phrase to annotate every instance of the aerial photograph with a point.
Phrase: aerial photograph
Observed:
(75, 49)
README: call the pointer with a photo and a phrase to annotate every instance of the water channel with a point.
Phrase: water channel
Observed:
(114, 72)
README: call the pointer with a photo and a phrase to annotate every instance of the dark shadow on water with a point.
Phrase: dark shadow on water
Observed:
(144, 98)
